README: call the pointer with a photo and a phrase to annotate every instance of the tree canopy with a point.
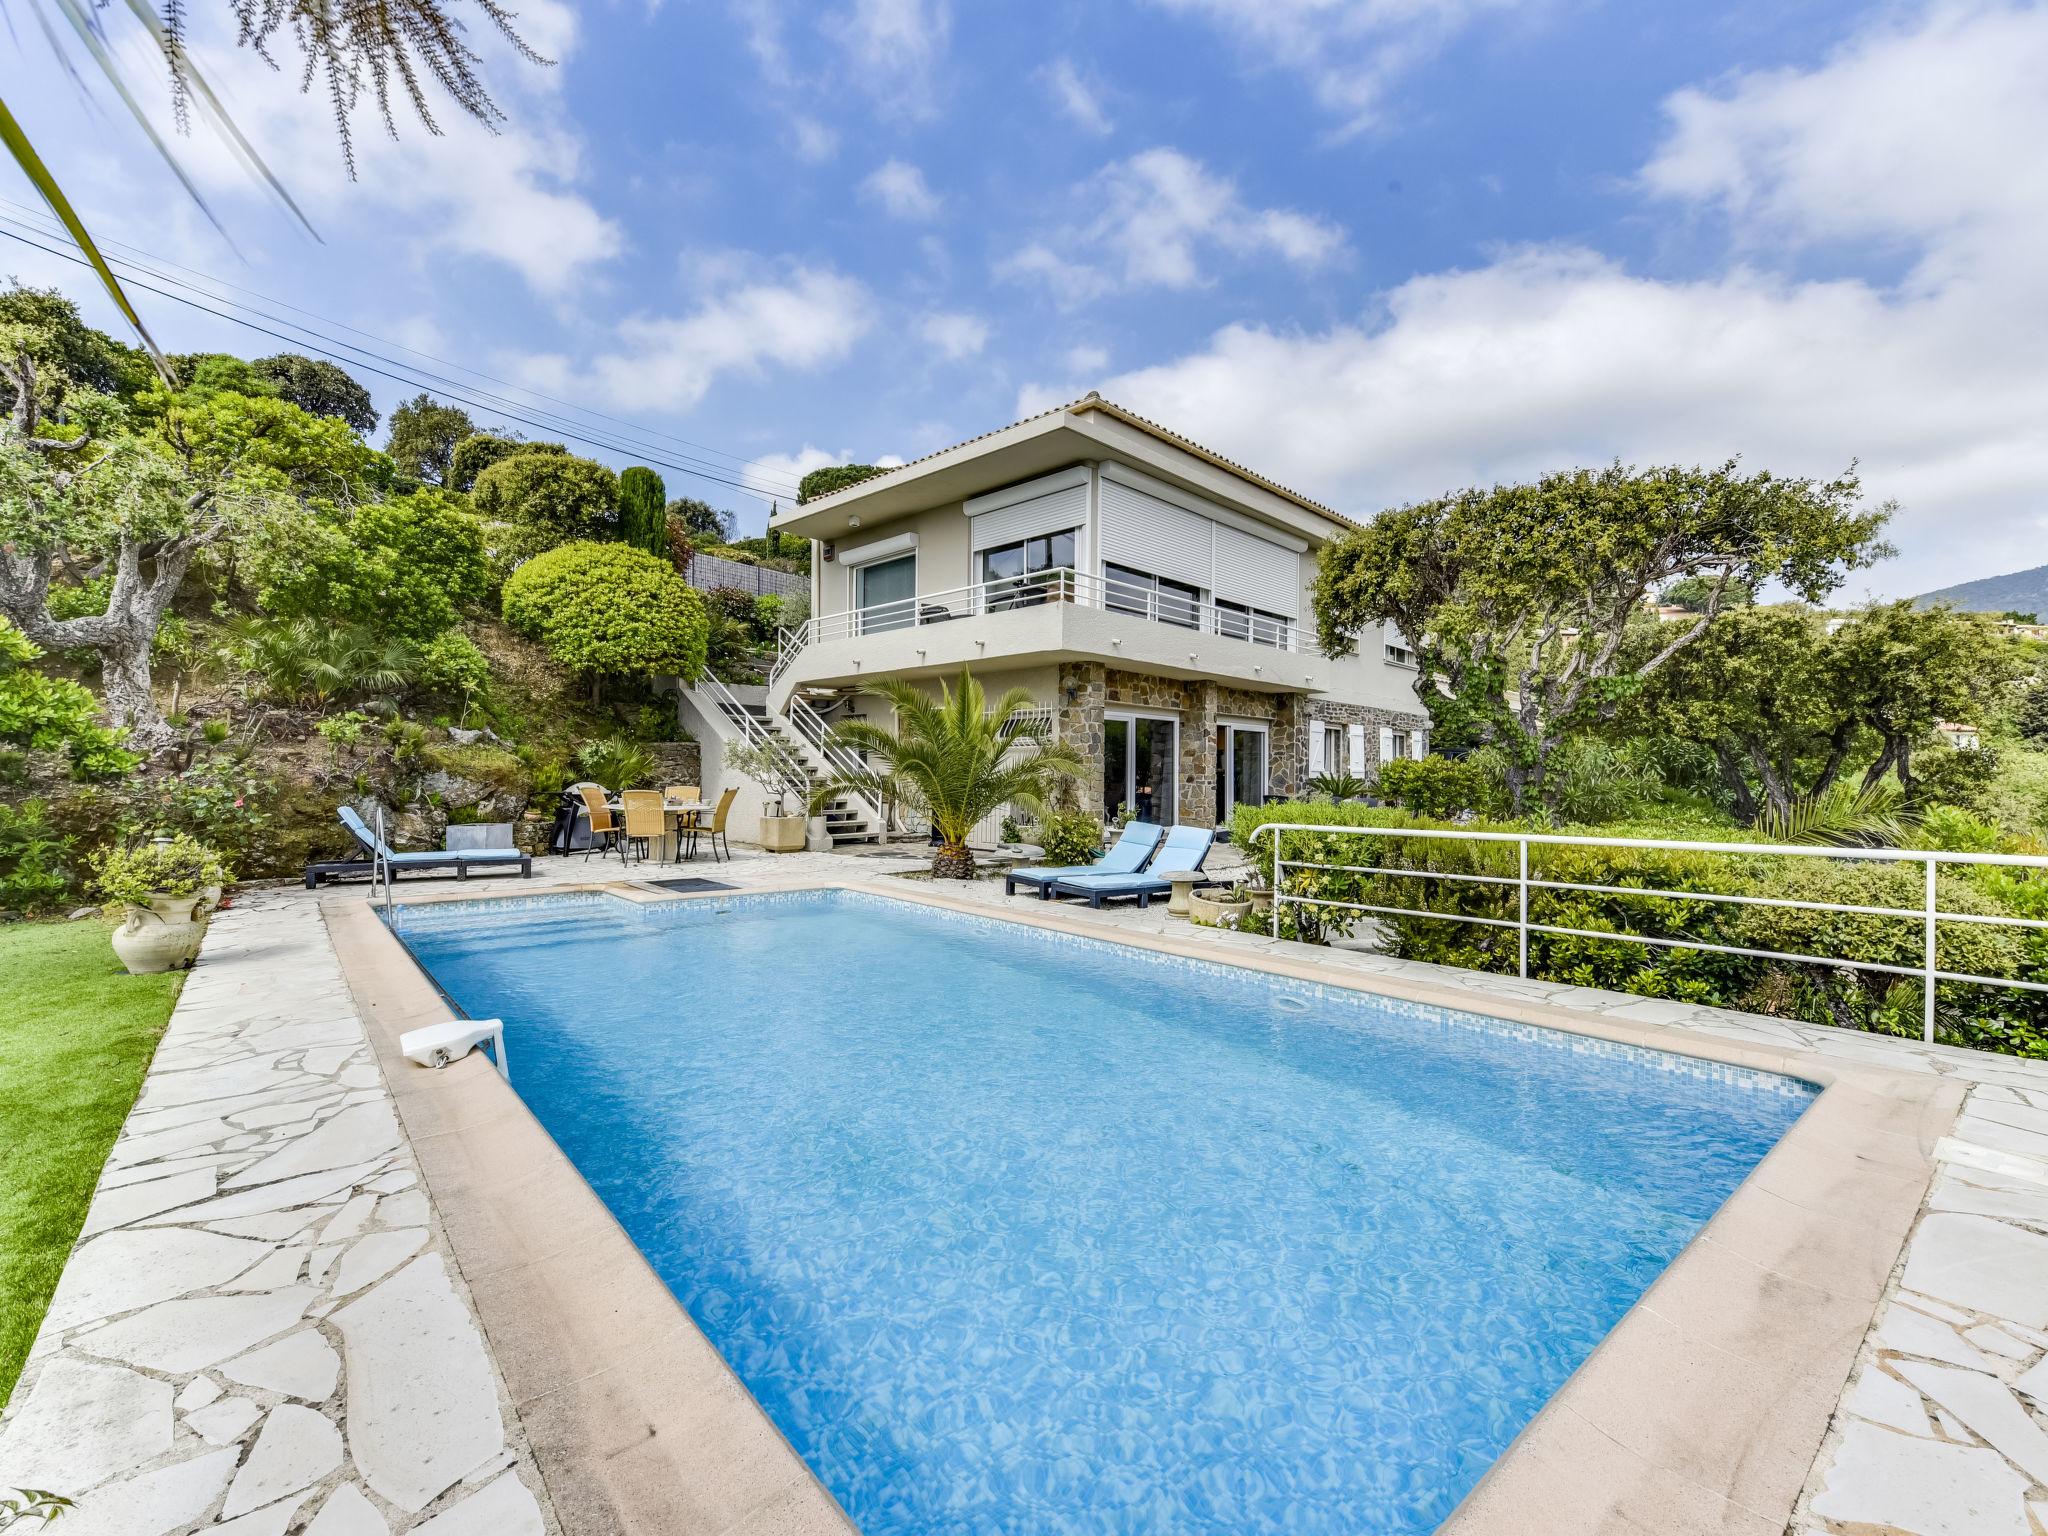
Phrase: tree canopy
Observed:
(1518, 600)
(643, 510)
(540, 500)
(407, 566)
(700, 520)
(605, 610)
(424, 433)
(319, 388)
(833, 477)
(478, 452)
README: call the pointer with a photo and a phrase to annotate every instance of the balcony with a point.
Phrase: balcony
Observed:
(1049, 616)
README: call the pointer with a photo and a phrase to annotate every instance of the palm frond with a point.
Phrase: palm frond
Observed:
(31, 163)
(1844, 815)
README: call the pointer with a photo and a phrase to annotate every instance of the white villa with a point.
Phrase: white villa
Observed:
(1153, 597)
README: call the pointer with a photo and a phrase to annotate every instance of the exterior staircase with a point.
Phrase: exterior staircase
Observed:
(801, 738)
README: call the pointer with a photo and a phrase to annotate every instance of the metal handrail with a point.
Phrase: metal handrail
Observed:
(757, 734)
(380, 865)
(1062, 585)
(1929, 911)
(842, 760)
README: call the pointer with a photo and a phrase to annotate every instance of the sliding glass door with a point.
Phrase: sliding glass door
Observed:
(1240, 768)
(1140, 759)
(885, 592)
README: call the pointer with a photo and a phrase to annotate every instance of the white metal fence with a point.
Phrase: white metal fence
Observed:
(1928, 913)
(1014, 593)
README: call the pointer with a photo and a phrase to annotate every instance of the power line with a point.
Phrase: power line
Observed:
(37, 222)
(398, 372)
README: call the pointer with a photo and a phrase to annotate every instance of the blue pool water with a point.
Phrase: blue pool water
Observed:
(1015, 1232)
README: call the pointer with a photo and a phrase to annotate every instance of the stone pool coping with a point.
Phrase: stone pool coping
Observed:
(1701, 1411)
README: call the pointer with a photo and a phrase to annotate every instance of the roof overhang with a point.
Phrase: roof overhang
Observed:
(1088, 431)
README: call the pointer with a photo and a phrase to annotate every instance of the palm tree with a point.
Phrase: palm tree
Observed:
(952, 760)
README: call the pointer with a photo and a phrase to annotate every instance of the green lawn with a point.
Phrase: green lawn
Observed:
(76, 1035)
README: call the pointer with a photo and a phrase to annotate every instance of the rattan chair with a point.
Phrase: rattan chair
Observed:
(714, 831)
(646, 824)
(605, 833)
(682, 792)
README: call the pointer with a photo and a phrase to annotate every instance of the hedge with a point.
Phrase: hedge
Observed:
(1988, 1018)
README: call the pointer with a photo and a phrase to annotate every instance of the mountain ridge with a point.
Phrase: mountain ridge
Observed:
(2017, 591)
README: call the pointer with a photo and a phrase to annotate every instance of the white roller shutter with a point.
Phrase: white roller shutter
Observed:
(1155, 536)
(1054, 512)
(1315, 749)
(1386, 743)
(1354, 738)
(1250, 570)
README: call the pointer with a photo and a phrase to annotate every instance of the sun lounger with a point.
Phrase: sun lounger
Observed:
(462, 861)
(1126, 856)
(1185, 848)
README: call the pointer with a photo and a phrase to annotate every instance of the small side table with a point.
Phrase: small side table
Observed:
(1184, 882)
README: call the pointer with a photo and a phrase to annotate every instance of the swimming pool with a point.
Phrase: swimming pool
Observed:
(1010, 1230)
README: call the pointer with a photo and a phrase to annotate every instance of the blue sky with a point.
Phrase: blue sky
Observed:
(1375, 248)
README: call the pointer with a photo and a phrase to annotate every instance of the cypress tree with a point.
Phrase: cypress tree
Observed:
(643, 510)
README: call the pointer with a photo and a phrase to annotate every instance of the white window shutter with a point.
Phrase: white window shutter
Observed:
(1315, 749)
(1386, 743)
(1354, 739)
(1421, 740)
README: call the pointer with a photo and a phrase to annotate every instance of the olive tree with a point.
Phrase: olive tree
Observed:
(1518, 600)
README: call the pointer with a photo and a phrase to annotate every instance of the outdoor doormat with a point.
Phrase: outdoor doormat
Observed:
(690, 884)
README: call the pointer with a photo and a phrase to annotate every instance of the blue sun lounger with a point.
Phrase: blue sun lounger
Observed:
(461, 861)
(1126, 857)
(1185, 848)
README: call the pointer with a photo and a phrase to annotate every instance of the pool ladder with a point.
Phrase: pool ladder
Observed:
(380, 866)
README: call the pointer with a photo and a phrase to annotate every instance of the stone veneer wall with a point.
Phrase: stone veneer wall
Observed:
(1371, 716)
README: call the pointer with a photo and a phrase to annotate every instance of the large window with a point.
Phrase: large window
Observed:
(1139, 764)
(1155, 597)
(1241, 621)
(1016, 574)
(886, 594)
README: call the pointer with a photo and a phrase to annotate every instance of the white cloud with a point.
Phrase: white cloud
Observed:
(808, 319)
(900, 189)
(954, 335)
(897, 47)
(1350, 51)
(816, 142)
(1075, 97)
(1161, 212)
(1923, 137)
(513, 197)
(772, 474)
(1086, 359)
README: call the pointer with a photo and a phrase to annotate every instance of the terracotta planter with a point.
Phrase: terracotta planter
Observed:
(163, 936)
(784, 834)
(1216, 912)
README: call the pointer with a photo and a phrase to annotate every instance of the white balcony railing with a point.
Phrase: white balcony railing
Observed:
(1014, 593)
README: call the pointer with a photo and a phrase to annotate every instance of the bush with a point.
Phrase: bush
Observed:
(176, 866)
(1070, 837)
(406, 567)
(1439, 787)
(1951, 829)
(604, 610)
(643, 510)
(477, 453)
(834, 477)
(49, 713)
(451, 666)
(34, 873)
(1879, 1001)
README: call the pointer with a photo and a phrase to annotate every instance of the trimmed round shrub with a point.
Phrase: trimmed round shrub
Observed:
(606, 610)
(546, 499)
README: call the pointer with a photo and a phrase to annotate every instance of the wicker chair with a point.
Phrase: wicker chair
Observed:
(714, 830)
(605, 832)
(646, 823)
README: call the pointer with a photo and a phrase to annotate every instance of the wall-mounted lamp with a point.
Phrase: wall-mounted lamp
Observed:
(853, 522)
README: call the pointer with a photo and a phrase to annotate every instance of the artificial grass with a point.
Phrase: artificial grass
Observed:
(76, 1036)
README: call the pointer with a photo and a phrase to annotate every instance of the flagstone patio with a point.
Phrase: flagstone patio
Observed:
(263, 1331)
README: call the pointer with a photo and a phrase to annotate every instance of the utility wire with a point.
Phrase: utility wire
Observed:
(398, 372)
(36, 221)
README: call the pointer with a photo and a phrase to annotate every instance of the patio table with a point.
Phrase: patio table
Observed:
(674, 814)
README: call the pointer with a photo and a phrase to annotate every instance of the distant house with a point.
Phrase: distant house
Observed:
(1153, 597)
(1964, 738)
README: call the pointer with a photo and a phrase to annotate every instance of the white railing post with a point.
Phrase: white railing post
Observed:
(1928, 969)
(1277, 882)
(1522, 913)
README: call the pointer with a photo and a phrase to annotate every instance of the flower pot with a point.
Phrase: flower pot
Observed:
(1216, 911)
(163, 936)
(1261, 899)
(783, 834)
